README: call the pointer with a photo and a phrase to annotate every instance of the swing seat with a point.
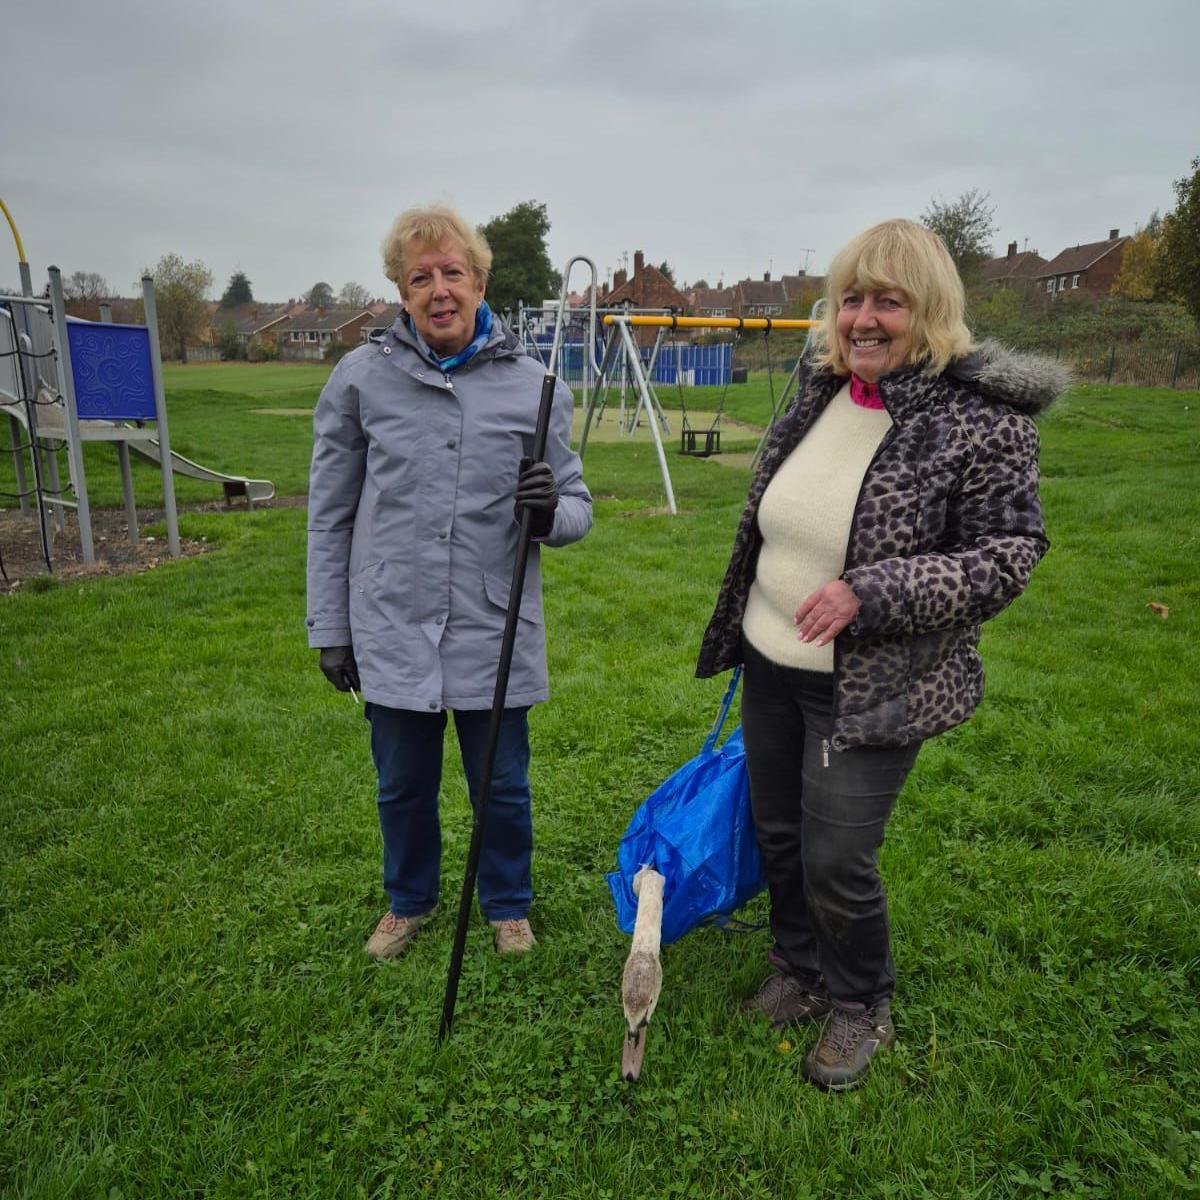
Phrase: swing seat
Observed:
(689, 442)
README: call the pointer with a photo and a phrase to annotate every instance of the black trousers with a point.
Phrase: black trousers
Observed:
(820, 815)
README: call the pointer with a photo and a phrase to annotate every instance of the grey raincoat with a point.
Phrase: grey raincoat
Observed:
(411, 533)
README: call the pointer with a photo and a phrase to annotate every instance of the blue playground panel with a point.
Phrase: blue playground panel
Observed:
(110, 365)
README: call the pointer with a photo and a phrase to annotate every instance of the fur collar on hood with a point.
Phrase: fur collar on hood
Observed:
(1028, 382)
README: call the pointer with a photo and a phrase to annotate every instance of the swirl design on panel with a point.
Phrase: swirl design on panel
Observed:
(111, 368)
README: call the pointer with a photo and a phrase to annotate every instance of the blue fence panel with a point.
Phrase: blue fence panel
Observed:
(702, 365)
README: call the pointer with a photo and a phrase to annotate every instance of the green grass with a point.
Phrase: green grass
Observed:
(188, 869)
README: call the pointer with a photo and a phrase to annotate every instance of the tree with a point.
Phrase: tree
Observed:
(180, 290)
(1178, 257)
(85, 286)
(521, 267)
(320, 295)
(354, 295)
(965, 225)
(237, 291)
(666, 269)
(700, 283)
(1138, 277)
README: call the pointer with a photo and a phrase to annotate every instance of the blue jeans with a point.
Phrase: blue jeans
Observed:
(819, 815)
(407, 750)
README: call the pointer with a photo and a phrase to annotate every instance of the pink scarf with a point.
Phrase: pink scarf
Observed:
(864, 394)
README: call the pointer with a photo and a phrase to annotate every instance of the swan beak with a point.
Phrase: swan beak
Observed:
(631, 1054)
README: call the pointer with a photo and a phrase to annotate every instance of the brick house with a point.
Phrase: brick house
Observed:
(764, 297)
(1015, 270)
(648, 287)
(310, 333)
(249, 321)
(1088, 270)
(712, 302)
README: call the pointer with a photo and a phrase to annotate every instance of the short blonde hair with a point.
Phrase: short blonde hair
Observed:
(431, 225)
(909, 258)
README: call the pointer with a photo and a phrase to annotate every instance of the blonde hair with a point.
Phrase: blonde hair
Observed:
(909, 258)
(431, 225)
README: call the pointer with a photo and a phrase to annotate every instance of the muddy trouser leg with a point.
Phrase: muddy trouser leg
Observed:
(820, 816)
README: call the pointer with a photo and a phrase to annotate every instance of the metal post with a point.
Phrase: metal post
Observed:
(591, 405)
(14, 425)
(74, 444)
(507, 644)
(160, 410)
(635, 363)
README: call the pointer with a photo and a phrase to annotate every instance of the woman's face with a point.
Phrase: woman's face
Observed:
(442, 296)
(874, 331)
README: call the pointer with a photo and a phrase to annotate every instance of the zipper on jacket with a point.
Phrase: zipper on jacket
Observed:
(887, 437)
(824, 752)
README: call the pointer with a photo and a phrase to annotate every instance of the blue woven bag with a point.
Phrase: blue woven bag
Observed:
(696, 830)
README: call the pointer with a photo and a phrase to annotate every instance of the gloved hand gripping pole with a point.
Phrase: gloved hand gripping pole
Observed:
(493, 737)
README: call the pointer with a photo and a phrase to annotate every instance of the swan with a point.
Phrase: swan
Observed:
(642, 978)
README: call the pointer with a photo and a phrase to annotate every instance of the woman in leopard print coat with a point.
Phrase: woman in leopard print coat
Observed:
(894, 509)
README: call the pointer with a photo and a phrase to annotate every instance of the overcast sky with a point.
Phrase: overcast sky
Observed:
(281, 139)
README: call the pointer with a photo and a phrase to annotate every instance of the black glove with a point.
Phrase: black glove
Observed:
(537, 490)
(339, 667)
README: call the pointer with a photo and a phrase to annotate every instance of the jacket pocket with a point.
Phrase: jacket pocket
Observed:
(498, 589)
(380, 596)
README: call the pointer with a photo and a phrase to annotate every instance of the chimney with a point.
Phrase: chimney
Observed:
(619, 277)
(1113, 234)
(639, 261)
(1012, 250)
(766, 277)
(321, 311)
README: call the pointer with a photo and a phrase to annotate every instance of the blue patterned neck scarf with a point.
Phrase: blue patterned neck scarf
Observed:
(483, 331)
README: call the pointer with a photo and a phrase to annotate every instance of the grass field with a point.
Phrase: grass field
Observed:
(189, 867)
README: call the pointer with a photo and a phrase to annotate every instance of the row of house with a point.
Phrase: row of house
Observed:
(1090, 268)
(301, 331)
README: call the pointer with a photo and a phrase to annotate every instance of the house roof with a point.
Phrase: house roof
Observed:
(763, 291)
(250, 319)
(1025, 265)
(635, 288)
(327, 320)
(385, 318)
(1079, 258)
(707, 298)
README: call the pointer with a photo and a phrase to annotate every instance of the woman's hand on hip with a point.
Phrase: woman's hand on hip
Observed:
(824, 614)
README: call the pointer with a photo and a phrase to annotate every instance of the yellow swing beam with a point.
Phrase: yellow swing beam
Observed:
(714, 322)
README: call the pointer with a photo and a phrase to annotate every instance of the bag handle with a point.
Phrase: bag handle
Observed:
(711, 741)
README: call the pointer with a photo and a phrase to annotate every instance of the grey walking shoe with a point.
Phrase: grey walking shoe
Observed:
(842, 1057)
(512, 936)
(393, 933)
(787, 1001)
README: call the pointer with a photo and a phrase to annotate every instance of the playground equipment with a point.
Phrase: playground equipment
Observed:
(642, 374)
(64, 382)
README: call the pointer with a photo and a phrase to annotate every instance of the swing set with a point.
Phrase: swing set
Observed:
(693, 442)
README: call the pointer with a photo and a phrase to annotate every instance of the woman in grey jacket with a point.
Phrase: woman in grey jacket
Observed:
(894, 510)
(420, 469)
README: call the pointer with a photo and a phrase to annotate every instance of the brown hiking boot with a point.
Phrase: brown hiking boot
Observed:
(842, 1057)
(512, 936)
(787, 1001)
(393, 933)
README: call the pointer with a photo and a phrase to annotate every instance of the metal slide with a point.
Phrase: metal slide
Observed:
(148, 449)
(234, 485)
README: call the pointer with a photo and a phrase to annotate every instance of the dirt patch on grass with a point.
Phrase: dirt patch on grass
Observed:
(23, 561)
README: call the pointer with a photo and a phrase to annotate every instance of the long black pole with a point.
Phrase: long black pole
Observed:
(493, 737)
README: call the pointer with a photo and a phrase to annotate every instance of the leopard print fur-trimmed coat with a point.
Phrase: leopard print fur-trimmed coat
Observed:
(946, 531)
